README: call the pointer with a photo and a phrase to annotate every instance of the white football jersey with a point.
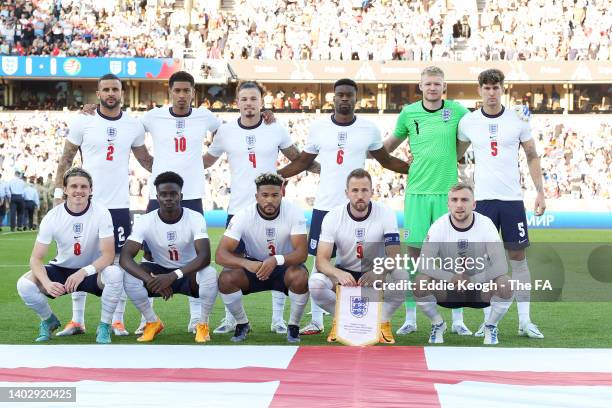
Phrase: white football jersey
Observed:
(496, 142)
(77, 235)
(170, 244)
(251, 151)
(264, 237)
(356, 239)
(177, 146)
(478, 241)
(105, 144)
(341, 149)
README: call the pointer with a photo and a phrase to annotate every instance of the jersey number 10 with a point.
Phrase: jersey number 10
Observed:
(180, 144)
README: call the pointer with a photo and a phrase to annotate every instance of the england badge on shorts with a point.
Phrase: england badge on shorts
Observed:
(446, 114)
(171, 236)
(359, 306)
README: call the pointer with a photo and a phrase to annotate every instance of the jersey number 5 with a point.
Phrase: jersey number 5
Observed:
(340, 156)
(109, 152)
(493, 147)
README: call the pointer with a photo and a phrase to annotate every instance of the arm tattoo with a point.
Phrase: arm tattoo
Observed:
(65, 162)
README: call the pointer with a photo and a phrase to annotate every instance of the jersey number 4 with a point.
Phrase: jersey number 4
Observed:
(180, 144)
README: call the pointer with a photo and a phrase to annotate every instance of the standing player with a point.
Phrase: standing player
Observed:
(178, 133)
(358, 231)
(274, 236)
(178, 241)
(4, 198)
(83, 231)
(430, 126)
(252, 149)
(496, 134)
(343, 140)
(471, 241)
(105, 140)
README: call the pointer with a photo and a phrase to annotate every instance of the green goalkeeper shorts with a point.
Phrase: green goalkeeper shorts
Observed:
(420, 211)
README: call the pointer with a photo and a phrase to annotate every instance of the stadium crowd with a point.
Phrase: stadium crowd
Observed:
(311, 29)
(576, 158)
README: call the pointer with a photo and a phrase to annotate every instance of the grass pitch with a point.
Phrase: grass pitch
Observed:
(565, 324)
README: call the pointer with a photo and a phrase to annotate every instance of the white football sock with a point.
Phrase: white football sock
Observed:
(499, 307)
(135, 290)
(34, 298)
(112, 278)
(316, 310)
(430, 308)
(322, 293)
(298, 304)
(120, 310)
(143, 320)
(457, 315)
(195, 308)
(78, 307)
(520, 272)
(410, 312)
(208, 288)
(278, 305)
(233, 302)
(486, 312)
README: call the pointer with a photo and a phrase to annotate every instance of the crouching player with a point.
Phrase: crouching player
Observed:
(274, 235)
(463, 264)
(351, 227)
(83, 232)
(178, 241)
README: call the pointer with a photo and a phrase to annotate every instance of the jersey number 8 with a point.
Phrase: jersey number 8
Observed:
(77, 249)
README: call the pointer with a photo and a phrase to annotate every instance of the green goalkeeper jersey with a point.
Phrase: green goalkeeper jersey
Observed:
(432, 137)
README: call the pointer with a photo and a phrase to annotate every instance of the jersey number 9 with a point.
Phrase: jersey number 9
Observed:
(359, 251)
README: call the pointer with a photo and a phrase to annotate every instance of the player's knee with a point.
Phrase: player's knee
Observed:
(503, 288)
(420, 282)
(227, 282)
(207, 276)
(298, 279)
(112, 275)
(25, 284)
(516, 254)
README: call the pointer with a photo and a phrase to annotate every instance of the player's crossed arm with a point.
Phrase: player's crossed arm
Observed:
(226, 257)
(293, 153)
(303, 162)
(126, 261)
(39, 252)
(390, 162)
(106, 258)
(144, 158)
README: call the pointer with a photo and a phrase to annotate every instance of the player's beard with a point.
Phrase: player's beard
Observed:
(268, 210)
(360, 206)
(107, 105)
(345, 109)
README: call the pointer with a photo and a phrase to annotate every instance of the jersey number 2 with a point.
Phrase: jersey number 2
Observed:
(109, 152)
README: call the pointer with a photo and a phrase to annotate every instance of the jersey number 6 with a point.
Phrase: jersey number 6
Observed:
(340, 156)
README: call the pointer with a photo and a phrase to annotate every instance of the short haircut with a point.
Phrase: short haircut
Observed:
(268, 179)
(432, 71)
(109, 77)
(462, 185)
(168, 177)
(345, 81)
(77, 172)
(359, 174)
(181, 76)
(491, 77)
(249, 85)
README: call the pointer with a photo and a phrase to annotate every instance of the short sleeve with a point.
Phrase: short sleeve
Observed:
(146, 121)
(216, 148)
(105, 228)
(525, 131)
(139, 140)
(285, 141)
(401, 130)
(390, 229)
(198, 226)
(75, 130)
(328, 228)
(45, 231)
(235, 228)
(461, 130)
(298, 222)
(376, 141)
(138, 230)
(312, 144)
(213, 121)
